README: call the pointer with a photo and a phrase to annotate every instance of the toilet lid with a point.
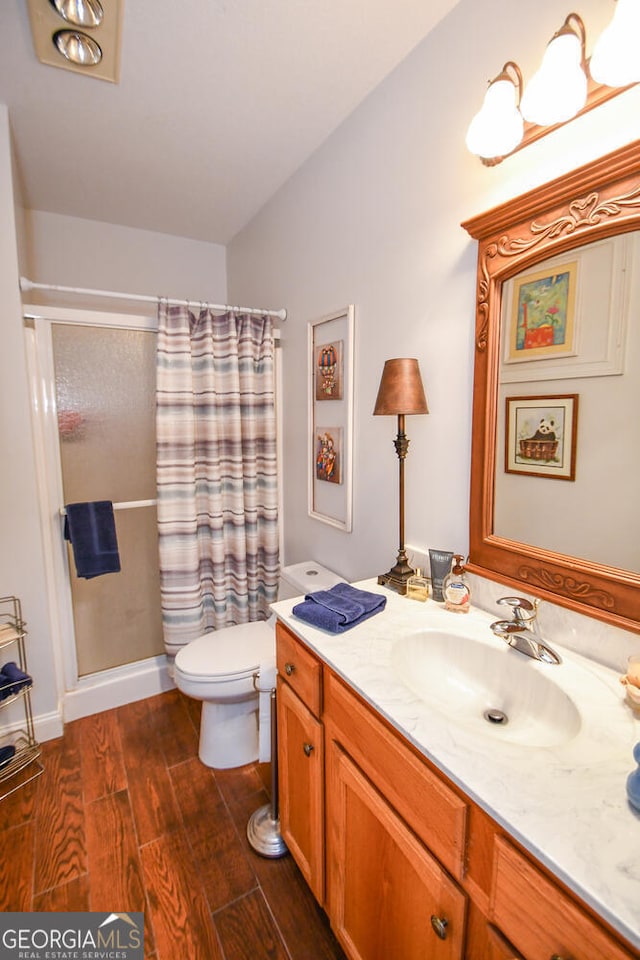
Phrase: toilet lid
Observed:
(234, 651)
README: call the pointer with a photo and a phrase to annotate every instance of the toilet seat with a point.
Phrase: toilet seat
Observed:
(233, 653)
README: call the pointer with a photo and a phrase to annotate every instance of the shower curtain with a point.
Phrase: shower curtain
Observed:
(216, 470)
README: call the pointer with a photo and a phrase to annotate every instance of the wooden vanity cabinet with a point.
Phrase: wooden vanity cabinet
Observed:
(387, 895)
(405, 864)
(301, 757)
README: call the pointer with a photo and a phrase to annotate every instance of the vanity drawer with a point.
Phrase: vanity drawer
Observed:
(299, 668)
(539, 918)
(436, 814)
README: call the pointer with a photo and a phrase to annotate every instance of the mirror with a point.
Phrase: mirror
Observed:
(557, 366)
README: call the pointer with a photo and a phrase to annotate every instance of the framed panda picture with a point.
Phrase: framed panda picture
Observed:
(540, 436)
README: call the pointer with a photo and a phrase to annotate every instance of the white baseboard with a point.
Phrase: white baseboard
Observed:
(48, 726)
(113, 688)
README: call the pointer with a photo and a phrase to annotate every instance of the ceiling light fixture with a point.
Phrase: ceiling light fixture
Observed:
(78, 47)
(565, 86)
(81, 13)
(83, 36)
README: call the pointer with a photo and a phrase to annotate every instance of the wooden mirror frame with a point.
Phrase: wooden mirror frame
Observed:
(593, 202)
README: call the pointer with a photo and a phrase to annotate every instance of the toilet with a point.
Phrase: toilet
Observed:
(218, 668)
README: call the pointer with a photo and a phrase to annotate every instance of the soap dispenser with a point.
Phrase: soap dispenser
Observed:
(457, 594)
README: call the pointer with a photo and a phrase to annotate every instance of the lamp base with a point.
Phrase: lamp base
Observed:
(396, 578)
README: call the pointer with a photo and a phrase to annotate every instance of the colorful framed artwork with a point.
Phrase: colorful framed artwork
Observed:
(328, 441)
(540, 436)
(330, 418)
(542, 320)
(328, 371)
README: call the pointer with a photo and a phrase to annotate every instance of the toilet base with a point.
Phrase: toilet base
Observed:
(229, 734)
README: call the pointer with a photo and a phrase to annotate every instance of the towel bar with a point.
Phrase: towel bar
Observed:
(123, 505)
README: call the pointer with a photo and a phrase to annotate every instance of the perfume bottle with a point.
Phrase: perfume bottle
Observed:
(457, 595)
(418, 587)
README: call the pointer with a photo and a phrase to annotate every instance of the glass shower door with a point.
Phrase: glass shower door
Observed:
(105, 398)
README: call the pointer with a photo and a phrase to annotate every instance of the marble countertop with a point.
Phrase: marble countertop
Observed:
(566, 804)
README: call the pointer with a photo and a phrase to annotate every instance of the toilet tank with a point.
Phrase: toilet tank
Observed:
(305, 577)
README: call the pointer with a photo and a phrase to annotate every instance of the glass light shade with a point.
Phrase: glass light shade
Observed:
(559, 89)
(81, 13)
(78, 48)
(615, 61)
(497, 128)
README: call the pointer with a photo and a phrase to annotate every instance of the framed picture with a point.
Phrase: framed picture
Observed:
(328, 370)
(543, 314)
(328, 441)
(540, 436)
(330, 418)
(599, 302)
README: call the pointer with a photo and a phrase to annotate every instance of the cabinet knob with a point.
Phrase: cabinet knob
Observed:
(308, 748)
(289, 668)
(439, 925)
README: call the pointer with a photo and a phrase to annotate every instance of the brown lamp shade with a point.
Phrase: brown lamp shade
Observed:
(400, 390)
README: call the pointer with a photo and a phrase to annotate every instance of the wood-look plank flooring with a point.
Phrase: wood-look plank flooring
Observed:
(126, 818)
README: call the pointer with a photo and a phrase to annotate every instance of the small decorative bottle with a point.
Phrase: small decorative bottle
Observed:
(457, 594)
(418, 587)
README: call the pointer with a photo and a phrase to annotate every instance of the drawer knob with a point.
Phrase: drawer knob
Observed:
(289, 668)
(439, 925)
(308, 749)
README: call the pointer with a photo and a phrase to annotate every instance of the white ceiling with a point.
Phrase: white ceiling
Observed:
(219, 102)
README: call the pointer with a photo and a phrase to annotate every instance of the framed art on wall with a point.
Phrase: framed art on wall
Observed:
(569, 317)
(540, 436)
(543, 314)
(330, 418)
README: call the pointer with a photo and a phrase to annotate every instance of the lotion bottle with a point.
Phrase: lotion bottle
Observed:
(457, 594)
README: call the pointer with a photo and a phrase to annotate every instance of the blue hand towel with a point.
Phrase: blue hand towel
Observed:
(340, 608)
(92, 531)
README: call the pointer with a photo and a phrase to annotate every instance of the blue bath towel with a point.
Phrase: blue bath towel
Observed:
(340, 608)
(92, 531)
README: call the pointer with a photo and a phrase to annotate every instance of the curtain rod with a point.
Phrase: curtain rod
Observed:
(26, 285)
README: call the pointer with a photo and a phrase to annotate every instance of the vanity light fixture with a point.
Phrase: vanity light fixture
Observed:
(79, 35)
(615, 60)
(400, 393)
(558, 90)
(498, 126)
(566, 85)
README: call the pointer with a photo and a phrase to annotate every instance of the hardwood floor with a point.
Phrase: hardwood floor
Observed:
(125, 818)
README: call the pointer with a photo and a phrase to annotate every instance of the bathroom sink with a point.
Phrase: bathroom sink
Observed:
(490, 689)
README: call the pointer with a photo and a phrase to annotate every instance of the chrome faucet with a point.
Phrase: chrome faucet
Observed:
(522, 631)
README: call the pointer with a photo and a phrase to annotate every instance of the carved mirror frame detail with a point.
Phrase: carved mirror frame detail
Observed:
(596, 201)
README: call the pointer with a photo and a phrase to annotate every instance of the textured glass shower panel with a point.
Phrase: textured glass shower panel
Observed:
(117, 616)
(105, 393)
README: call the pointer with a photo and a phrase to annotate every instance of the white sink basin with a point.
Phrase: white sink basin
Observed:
(491, 690)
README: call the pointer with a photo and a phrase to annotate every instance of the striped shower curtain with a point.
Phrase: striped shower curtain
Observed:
(216, 471)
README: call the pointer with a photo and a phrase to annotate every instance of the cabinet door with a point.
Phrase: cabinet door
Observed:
(499, 948)
(539, 918)
(387, 895)
(301, 786)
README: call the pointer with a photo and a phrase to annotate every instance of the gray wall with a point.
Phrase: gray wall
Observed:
(373, 218)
